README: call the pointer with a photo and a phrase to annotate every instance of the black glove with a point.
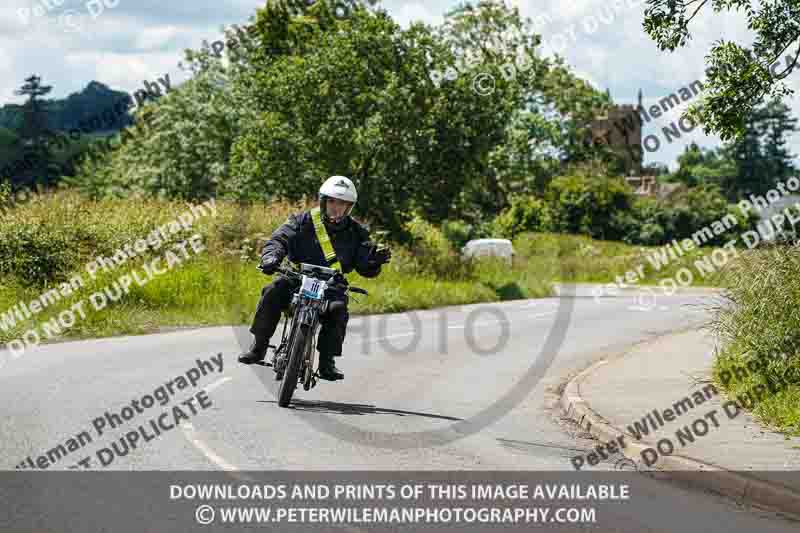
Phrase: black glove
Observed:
(338, 283)
(269, 264)
(382, 256)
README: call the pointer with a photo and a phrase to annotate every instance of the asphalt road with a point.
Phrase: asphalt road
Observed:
(448, 390)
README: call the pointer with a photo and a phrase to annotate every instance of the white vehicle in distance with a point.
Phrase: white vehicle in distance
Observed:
(501, 248)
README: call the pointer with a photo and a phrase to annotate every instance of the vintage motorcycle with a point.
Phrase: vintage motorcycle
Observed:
(296, 359)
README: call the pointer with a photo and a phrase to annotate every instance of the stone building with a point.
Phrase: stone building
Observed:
(621, 128)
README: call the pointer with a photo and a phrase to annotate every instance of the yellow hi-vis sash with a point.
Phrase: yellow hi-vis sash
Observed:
(323, 237)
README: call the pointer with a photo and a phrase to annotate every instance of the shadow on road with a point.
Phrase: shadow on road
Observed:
(355, 409)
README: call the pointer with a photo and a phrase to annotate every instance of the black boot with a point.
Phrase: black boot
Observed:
(256, 353)
(327, 369)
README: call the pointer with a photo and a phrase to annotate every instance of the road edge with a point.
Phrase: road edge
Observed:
(740, 487)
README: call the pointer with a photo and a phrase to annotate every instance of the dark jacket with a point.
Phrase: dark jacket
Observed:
(296, 237)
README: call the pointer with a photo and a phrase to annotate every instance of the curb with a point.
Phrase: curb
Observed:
(740, 487)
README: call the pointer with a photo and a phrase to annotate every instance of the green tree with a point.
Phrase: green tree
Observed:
(179, 146)
(550, 113)
(697, 166)
(549, 133)
(31, 132)
(365, 98)
(760, 156)
(776, 124)
(34, 120)
(396, 109)
(585, 201)
(739, 77)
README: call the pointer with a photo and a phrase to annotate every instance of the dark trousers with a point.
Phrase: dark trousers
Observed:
(277, 296)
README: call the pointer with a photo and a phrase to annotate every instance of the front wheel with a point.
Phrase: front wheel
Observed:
(290, 375)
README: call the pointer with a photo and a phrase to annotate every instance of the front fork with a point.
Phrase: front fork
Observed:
(308, 315)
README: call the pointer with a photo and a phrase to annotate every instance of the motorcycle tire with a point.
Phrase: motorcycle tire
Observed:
(290, 375)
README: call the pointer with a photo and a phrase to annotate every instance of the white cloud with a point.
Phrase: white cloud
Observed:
(154, 38)
(410, 12)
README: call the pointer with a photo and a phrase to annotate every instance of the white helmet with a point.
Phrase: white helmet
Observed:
(338, 187)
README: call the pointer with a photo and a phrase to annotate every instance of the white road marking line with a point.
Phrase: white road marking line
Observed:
(485, 322)
(533, 304)
(460, 326)
(393, 336)
(220, 381)
(542, 314)
(189, 433)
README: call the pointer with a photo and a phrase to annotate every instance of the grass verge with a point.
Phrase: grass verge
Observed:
(54, 236)
(758, 322)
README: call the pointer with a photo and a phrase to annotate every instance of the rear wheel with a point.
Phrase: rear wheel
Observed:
(290, 375)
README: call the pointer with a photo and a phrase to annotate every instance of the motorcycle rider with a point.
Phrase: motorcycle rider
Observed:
(322, 236)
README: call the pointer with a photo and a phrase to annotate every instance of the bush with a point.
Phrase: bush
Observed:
(586, 204)
(433, 253)
(695, 209)
(48, 237)
(458, 232)
(6, 197)
(759, 321)
(526, 213)
(651, 222)
(37, 254)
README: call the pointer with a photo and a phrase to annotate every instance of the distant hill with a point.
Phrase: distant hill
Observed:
(76, 111)
(67, 113)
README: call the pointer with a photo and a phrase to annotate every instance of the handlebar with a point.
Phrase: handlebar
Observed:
(292, 273)
(288, 272)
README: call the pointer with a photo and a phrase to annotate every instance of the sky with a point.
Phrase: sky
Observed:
(123, 43)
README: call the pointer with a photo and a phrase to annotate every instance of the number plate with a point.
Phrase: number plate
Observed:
(312, 288)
